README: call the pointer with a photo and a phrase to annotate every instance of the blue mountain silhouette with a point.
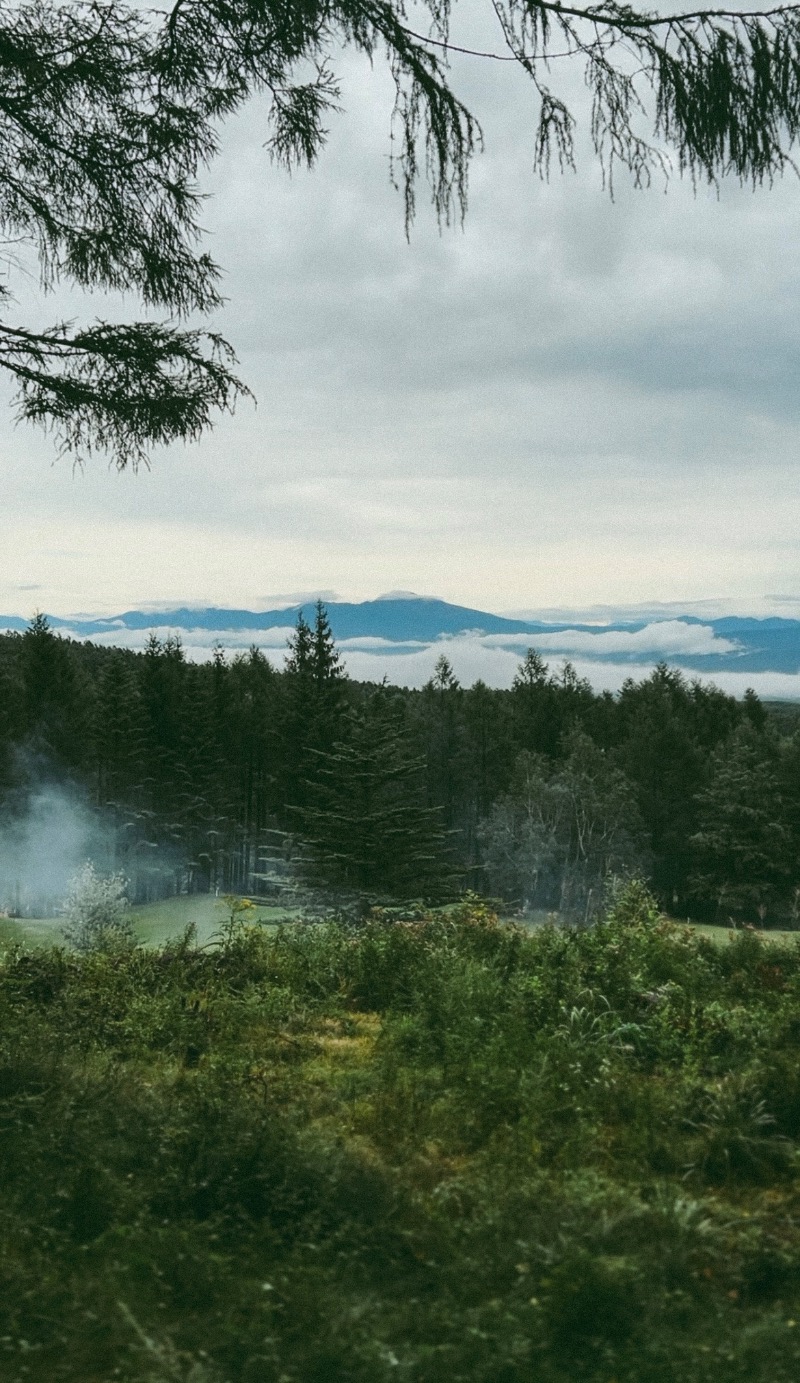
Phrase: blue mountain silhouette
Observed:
(761, 645)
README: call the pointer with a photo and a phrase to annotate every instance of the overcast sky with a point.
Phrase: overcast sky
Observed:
(570, 402)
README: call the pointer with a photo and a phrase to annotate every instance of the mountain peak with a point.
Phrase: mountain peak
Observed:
(401, 595)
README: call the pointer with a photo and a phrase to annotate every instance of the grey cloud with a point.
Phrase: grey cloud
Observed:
(758, 607)
(651, 291)
(571, 401)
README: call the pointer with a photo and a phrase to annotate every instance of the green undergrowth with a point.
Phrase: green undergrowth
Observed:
(438, 1151)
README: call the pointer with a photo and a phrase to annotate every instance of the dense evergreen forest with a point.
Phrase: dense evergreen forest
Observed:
(231, 775)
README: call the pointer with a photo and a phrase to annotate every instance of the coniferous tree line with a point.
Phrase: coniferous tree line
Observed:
(231, 775)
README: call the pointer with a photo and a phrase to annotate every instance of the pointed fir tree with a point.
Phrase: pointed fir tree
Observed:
(326, 662)
(440, 706)
(741, 849)
(58, 698)
(535, 706)
(298, 660)
(12, 717)
(367, 824)
(121, 735)
(252, 737)
(666, 728)
(313, 705)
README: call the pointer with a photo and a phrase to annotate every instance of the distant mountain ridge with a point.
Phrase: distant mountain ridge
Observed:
(395, 619)
(746, 644)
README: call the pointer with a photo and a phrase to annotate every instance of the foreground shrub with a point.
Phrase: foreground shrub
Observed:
(447, 1150)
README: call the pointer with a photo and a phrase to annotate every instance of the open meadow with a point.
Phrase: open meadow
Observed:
(446, 1150)
(154, 923)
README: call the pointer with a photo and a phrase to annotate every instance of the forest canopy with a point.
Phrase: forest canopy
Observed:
(110, 112)
(233, 776)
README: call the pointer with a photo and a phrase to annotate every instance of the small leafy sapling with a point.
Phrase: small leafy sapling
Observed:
(97, 912)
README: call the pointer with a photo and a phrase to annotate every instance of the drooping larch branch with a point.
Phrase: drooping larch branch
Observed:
(109, 114)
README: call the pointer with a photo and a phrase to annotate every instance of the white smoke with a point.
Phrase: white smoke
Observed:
(43, 847)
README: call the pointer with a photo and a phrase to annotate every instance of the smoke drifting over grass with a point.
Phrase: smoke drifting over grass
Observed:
(43, 847)
(50, 832)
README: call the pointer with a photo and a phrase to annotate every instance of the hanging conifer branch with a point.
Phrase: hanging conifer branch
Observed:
(109, 114)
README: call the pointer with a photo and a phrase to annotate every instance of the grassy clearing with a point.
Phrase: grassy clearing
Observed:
(448, 1151)
(722, 935)
(29, 932)
(155, 924)
(158, 924)
(162, 922)
(718, 934)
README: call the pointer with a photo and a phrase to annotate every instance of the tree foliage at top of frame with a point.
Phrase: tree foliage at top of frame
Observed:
(109, 112)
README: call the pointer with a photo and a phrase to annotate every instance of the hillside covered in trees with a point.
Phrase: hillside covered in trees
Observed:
(235, 776)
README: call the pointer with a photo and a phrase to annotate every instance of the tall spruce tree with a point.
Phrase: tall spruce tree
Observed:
(742, 859)
(251, 737)
(534, 698)
(121, 734)
(58, 699)
(668, 729)
(313, 705)
(441, 707)
(163, 689)
(488, 759)
(11, 720)
(367, 825)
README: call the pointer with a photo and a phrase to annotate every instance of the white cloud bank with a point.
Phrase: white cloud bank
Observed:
(472, 658)
(493, 658)
(198, 643)
(664, 639)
